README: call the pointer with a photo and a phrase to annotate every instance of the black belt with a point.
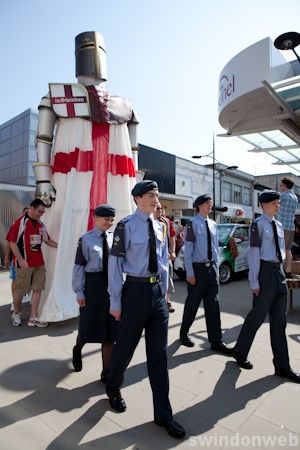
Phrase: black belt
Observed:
(204, 264)
(271, 263)
(149, 280)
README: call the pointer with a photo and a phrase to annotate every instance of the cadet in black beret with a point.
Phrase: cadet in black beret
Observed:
(201, 259)
(140, 251)
(105, 211)
(142, 187)
(269, 196)
(90, 285)
(268, 285)
(202, 199)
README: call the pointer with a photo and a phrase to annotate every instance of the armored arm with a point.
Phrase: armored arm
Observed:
(132, 129)
(42, 168)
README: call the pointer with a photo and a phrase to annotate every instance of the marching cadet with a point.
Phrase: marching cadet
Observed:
(201, 260)
(140, 251)
(267, 282)
(90, 285)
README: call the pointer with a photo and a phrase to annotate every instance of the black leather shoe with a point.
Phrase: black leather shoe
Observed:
(77, 361)
(103, 377)
(285, 373)
(221, 348)
(185, 340)
(173, 428)
(170, 307)
(241, 362)
(117, 402)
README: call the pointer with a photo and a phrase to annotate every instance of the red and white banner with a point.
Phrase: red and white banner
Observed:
(92, 164)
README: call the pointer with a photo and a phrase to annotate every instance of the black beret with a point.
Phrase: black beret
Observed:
(143, 186)
(105, 211)
(269, 196)
(202, 199)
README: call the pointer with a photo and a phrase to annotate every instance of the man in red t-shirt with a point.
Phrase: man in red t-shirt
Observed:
(25, 238)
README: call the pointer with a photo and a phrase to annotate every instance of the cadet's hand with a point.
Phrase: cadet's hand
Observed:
(81, 302)
(255, 291)
(116, 313)
(191, 280)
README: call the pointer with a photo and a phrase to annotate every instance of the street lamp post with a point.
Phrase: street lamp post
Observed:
(212, 155)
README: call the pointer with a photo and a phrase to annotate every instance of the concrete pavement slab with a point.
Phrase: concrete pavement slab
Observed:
(56, 408)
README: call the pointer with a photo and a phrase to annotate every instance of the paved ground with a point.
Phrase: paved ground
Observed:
(45, 405)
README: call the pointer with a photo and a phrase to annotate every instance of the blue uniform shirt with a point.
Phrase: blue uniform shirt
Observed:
(262, 246)
(195, 247)
(88, 258)
(130, 254)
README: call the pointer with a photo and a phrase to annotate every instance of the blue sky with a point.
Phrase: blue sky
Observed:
(165, 56)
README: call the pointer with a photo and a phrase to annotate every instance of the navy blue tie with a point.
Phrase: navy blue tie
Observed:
(278, 252)
(209, 252)
(152, 267)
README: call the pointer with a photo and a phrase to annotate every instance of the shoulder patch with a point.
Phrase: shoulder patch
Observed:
(254, 235)
(190, 235)
(79, 258)
(118, 246)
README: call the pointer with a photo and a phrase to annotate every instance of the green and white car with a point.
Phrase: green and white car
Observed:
(233, 250)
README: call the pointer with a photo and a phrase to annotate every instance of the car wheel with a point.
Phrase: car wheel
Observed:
(225, 273)
(181, 274)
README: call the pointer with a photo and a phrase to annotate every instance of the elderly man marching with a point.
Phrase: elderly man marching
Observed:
(201, 262)
(140, 251)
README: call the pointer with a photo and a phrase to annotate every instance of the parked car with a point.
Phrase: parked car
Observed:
(233, 250)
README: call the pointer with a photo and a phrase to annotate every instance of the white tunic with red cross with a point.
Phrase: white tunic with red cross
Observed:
(92, 164)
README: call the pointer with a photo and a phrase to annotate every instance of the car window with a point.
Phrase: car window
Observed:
(223, 234)
(241, 233)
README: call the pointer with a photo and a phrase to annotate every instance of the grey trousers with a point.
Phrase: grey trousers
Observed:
(272, 300)
(206, 289)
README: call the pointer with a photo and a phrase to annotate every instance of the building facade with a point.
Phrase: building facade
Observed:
(180, 181)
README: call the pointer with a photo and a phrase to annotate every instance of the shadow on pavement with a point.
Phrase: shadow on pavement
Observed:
(42, 377)
(235, 298)
(11, 333)
(200, 418)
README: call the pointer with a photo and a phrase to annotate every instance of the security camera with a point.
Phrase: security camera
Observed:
(228, 133)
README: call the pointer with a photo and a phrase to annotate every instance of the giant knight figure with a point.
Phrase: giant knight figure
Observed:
(86, 154)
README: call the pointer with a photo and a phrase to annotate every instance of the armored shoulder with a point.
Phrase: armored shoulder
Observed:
(254, 234)
(118, 246)
(190, 235)
(80, 258)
